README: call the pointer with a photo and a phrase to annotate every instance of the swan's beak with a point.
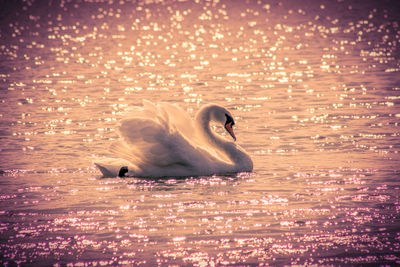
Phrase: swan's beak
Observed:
(228, 127)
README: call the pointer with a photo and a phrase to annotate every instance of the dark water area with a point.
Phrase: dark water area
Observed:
(314, 90)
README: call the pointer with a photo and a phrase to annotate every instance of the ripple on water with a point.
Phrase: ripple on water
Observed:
(314, 92)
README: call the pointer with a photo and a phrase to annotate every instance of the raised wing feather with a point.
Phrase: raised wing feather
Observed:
(153, 143)
(178, 120)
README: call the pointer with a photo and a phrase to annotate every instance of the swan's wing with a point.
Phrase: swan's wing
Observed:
(164, 113)
(147, 110)
(178, 119)
(126, 152)
(152, 142)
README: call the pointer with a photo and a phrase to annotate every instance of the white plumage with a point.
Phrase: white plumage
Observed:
(162, 140)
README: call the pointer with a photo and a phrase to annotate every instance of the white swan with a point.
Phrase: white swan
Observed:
(161, 140)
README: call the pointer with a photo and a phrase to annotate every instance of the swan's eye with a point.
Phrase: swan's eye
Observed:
(229, 119)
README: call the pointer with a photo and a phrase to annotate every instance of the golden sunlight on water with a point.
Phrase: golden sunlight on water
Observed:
(314, 90)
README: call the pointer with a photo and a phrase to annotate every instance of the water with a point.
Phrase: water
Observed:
(315, 91)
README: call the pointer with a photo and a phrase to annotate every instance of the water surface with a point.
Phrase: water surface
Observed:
(315, 91)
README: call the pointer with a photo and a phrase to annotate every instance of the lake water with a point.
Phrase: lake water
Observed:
(315, 91)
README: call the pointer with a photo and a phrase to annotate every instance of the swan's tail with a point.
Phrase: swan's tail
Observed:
(112, 167)
(121, 166)
(104, 170)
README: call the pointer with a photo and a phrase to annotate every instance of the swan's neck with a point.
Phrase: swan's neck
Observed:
(202, 120)
(238, 157)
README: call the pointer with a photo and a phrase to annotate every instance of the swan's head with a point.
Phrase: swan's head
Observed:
(223, 116)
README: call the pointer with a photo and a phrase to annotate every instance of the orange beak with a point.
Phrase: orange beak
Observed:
(228, 127)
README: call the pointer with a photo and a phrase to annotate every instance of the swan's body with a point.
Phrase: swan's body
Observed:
(161, 140)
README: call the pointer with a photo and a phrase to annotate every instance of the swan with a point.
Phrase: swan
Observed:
(161, 140)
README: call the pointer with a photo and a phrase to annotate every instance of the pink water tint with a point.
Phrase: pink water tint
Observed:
(314, 90)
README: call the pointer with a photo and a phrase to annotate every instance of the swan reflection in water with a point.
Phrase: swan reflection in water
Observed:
(161, 140)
